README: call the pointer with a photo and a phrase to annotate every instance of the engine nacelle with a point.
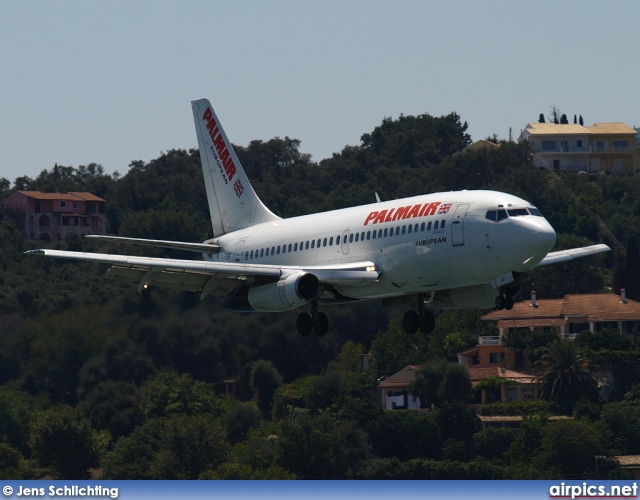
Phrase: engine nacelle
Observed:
(290, 292)
(468, 297)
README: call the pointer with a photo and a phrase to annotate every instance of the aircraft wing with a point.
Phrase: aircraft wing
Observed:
(573, 253)
(176, 245)
(211, 277)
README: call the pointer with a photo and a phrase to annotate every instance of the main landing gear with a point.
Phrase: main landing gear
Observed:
(504, 301)
(422, 319)
(316, 321)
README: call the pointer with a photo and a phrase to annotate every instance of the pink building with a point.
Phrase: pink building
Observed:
(53, 216)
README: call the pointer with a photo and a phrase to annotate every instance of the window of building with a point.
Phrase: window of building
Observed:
(63, 204)
(620, 144)
(548, 145)
(496, 357)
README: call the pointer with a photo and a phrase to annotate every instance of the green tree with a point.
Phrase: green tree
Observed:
(570, 447)
(393, 349)
(265, 379)
(566, 374)
(63, 441)
(175, 447)
(623, 418)
(168, 393)
(319, 447)
(240, 419)
(442, 381)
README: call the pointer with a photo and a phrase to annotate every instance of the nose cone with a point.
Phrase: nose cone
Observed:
(538, 238)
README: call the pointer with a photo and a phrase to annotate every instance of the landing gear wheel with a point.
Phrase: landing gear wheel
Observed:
(321, 324)
(500, 302)
(304, 324)
(410, 322)
(508, 302)
(427, 322)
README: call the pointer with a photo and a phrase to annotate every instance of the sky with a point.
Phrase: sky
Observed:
(110, 82)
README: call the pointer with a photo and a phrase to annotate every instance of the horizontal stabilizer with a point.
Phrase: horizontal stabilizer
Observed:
(176, 245)
(573, 253)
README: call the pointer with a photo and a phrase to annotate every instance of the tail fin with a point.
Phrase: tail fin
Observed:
(233, 203)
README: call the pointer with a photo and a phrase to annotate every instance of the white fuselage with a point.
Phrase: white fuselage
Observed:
(421, 244)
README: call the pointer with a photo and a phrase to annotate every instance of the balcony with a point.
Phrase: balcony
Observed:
(489, 340)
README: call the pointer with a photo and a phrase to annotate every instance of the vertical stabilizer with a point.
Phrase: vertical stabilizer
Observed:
(233, 203)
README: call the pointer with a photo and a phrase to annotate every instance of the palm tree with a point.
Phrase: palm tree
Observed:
(566, 374)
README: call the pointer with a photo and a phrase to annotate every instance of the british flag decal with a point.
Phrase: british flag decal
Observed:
(238, 188)
(444, 208)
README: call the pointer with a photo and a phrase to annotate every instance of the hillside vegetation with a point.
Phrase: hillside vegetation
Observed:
(131, 385)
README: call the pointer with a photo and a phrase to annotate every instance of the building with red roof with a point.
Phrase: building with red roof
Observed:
(54, 216)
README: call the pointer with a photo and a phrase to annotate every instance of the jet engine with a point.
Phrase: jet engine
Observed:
(290, 292)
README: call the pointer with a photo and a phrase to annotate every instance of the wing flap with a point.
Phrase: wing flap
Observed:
(185, 281)
(573, 253)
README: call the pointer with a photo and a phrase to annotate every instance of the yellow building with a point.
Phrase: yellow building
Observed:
(603, 148)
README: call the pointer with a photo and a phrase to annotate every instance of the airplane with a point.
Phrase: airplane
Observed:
(459, 249)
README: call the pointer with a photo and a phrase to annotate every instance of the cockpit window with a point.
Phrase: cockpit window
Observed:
(501, 213)
(517, 212)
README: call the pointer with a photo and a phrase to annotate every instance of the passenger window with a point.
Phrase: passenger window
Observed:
(442, 225)
(429, 226)
(313, 243)
(357, 236)
(306, 246)
(290, 247)
(273, 250)
(415, 228)
(295, 247)
(337, 240)
(368, 235)
(262, 252)
(374, 235)
(251, 255)
(385, 232)
(324, 242)
(246, 256)
(435, 226)
(404, 228)
(331, 241)
(278, 250)
(379, 233)
(319, 241)
(422, 226)
(410, 228)
(284, 248)
(397, 230)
